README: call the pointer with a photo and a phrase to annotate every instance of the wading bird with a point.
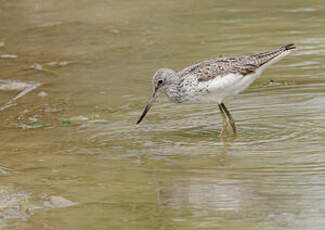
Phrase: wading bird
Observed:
(213, 80)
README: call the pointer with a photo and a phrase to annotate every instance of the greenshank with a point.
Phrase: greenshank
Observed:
(213, 80)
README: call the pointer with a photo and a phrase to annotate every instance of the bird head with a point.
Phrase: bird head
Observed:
(160, 82)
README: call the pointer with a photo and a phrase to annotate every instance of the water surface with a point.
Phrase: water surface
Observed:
(74, 136)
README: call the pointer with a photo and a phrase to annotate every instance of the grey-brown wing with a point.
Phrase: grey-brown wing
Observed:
(191, 69)
(243, 65)
(220, 67)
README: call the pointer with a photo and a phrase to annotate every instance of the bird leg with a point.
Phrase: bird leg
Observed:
(225, 122)
(230, 119)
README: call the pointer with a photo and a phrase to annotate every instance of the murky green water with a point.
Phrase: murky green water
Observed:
(74, 135)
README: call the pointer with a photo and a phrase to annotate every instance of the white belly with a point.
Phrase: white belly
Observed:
(227, 86)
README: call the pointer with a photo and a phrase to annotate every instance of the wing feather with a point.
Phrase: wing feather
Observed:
(220, 67)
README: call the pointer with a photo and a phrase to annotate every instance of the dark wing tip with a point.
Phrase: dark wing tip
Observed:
(289, 46)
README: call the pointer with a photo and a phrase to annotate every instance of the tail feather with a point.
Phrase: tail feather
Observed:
(271, 56)
(291, 46)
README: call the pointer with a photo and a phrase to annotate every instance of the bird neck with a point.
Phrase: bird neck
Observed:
(172, 91)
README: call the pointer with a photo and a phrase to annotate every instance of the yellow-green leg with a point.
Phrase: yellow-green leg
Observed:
(230, 119)
(225, 122)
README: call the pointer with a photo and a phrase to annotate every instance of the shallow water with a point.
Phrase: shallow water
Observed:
(74, 135)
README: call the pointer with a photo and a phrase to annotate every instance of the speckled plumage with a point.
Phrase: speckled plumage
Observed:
(195, 81)
(244, 65)
(214, 79)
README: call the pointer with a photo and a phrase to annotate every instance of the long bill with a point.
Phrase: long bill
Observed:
(148, 106)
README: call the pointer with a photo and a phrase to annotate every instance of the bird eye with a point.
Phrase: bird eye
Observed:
(160, 81)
